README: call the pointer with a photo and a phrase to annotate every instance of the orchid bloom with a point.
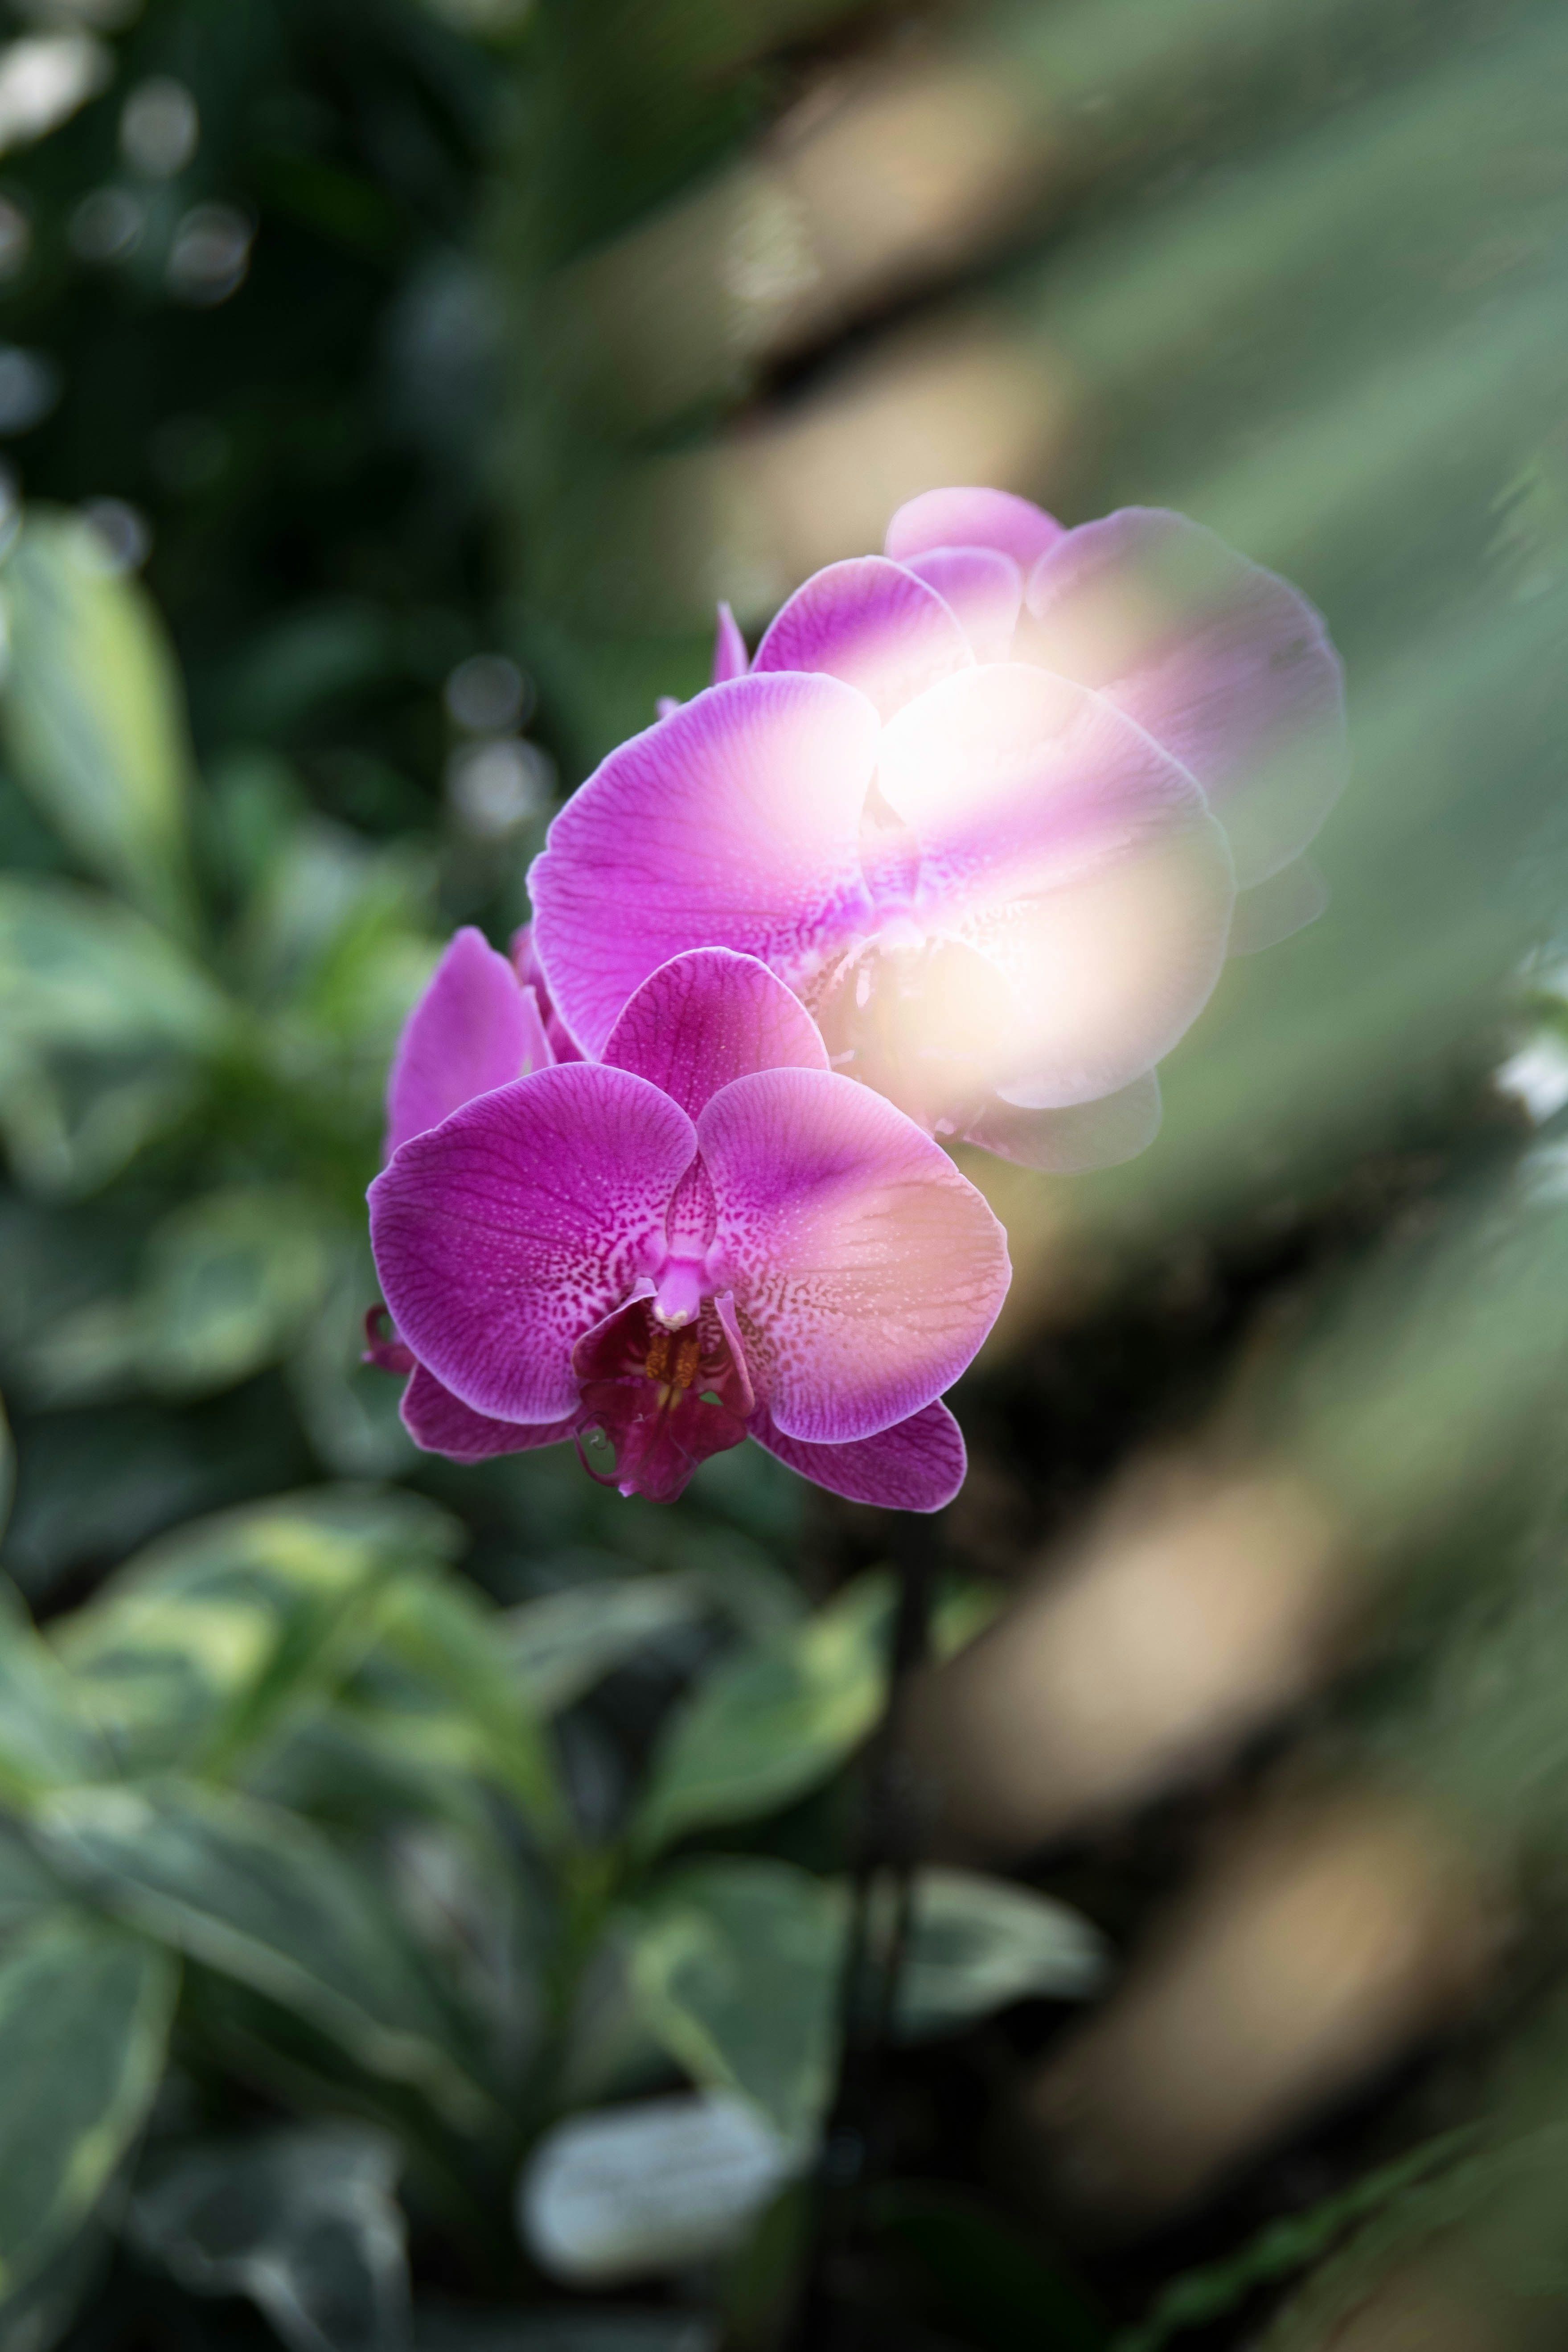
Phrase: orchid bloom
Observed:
(703, 1236)
(984, 803)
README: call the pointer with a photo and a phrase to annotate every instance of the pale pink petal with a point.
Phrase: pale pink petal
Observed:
(666, 705)
(706, 1018)
(472, 1029)
(1276, 909)
(1062, 845)
(972, 518)
(441, 1424)
(984, 587)
(1221, 662)
(1066, 1142)
(730, 655)
(502, 1236)
(865, 1269)
(735, 822)
(872, 623)
(916, 1466)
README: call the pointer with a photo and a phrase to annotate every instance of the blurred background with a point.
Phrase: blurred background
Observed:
(422, 1890)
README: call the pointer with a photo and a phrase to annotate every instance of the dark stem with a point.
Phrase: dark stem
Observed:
(856, 2142)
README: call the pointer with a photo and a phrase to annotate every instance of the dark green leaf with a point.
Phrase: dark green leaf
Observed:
(94, 714)
(305, 2223)
(773, 1721)
(263, 1896)
(84, 2017)
(735, 1967)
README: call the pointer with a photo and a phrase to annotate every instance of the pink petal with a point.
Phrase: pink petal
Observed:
(735, 822)
(473, 1029)
(972, 518)
(1221, 662)
(865, 1269)
(531, 972)
(441, 1424)
(730, 656)
(505, 1234)
(666, 705)
(916, 1466)
(984, 589)
(1066, 1142)
(871, 624)
(706, 1018)
(1064, 846)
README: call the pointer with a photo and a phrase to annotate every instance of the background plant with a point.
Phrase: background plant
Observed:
(389, 391)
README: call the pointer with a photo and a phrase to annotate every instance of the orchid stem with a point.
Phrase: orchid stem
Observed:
(892, 1830)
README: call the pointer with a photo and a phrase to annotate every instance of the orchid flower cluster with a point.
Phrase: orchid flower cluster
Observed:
(957, 854)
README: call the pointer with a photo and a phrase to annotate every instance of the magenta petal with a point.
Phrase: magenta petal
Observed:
(441, 1424)
(871, 624)
(472, 1029)
(502, 1236)
(1014, 526)
(1066, 1142)
(865, 1269)
(1078, 858)
(706, 1018)
(984, 587)
(1221, 662)
(916, 1466)
(734, 822)
(730, 655)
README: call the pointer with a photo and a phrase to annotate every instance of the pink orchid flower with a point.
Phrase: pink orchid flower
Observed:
(984, 803)
(704, 1237)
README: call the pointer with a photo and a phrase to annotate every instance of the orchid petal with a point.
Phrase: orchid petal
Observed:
(871, 624)
(1277, 909)
(473, 1029)
(704, 1019)
(734, 822)
(1063, 844)
(997, 519)
(865, 1269)
(730, 656)
(531, 972)
(1066, 1142)
(1221, 662)
(440, 1423)
(984, 587)
(916, 1466)
(502, 1236)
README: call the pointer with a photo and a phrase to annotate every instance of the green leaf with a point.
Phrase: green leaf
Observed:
(195, 1651)
(735, 1969)
(45, 1739)
(263, 1896)
(94, 714)
(561, 1646)
(103, 1020)
(306, 2223)
(8, 1467)
(84, 2020)
(443, 1634)
(230, 1278)
(978, 1943)
(773, 1721)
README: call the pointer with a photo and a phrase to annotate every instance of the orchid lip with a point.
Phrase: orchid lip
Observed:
(680, 1292)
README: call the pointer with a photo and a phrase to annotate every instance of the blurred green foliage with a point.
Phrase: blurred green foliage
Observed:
(361, 1818)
